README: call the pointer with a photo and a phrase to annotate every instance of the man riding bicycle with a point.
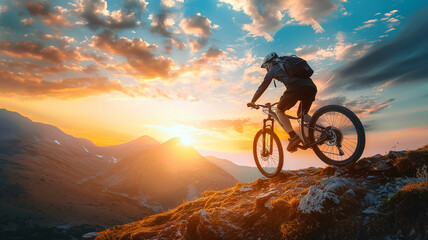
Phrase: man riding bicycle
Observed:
(298, 88)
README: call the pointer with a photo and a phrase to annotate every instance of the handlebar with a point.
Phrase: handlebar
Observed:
(257, 106)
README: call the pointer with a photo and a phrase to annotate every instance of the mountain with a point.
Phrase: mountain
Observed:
(165, 176)
(44, 178)
(241, 173)
(375, 198)
(129, 148)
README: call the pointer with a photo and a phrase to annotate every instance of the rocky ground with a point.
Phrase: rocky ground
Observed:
(382, 197)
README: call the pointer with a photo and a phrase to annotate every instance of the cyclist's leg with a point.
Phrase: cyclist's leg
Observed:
(308, 98)
(306, 116)
(306, 103)
(287, 101)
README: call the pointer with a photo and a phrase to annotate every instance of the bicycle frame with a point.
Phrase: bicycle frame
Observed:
(267, 109)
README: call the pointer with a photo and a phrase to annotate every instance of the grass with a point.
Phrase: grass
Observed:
(243, 212)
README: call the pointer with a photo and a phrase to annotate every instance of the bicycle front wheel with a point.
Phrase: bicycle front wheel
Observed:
(343, 133)
(269, 157)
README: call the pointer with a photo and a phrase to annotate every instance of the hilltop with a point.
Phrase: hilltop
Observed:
(165, 176)
(382, 197)
(54, 185)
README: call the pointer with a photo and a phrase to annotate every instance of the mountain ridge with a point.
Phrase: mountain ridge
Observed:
(168, 174)
(241, 173)
(45, 177)
(375, 198)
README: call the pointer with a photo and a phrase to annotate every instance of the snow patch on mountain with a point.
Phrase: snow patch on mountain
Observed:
(85, 149)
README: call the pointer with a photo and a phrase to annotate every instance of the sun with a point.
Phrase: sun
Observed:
(186, 139)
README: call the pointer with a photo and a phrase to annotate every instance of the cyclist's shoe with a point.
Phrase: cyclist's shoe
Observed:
(293, 142)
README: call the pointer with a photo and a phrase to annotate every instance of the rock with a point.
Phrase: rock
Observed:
(383, 166)
(401, 153)
(199, 227)
(370, 210)
(90, 235)
(317, 195)
(350, 192)
(334, 183)
(313, 201)
(369, 199)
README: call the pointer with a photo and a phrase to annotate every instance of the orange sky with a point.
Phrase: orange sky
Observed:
(110, 72)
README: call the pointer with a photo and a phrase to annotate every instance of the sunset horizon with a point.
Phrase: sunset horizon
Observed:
(213, 119)
(168, 69)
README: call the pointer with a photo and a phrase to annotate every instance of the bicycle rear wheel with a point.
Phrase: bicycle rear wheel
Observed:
(270, 158)
(343, 133)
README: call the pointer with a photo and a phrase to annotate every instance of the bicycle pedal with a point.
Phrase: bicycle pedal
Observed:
(293, 150)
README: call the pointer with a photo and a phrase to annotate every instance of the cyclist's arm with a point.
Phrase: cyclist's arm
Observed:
(262, 88)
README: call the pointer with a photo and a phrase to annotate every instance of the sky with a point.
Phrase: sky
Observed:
(111, 71)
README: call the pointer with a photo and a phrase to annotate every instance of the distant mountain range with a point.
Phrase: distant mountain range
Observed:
(166, 175)
(49, 177)
(44, 176)
(241, 173)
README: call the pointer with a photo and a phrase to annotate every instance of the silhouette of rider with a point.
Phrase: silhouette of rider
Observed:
(302, 89)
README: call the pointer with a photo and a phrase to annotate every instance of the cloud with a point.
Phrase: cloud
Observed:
(197, 25)
(207, 62)
(267, 16)
(172, 42)
(141, 62)
(340, 51)
(383, 105)
(54, 17)
(367, 24)
(30, 85)
(254, 73)
(38, 8)
(197, 44)
(338, 100)
(171, 3)
(161, 22)
(217, 80)
(348, 51)
(174, 95)
(401, 60)
(96, 14)
(361, 105)
(28, 49)
(218, 124)
(211, 55)
(3, 9)
(314, 52)
(367, 104)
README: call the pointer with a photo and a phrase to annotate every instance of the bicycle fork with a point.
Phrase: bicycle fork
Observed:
(266, 125)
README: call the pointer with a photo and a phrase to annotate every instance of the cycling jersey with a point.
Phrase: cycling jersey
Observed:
(279, 74)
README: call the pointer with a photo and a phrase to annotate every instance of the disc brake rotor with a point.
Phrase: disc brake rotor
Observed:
(336, 137)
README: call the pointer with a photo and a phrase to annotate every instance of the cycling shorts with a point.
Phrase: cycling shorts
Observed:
(290, 97)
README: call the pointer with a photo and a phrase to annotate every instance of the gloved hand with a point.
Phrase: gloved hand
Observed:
(251, 105)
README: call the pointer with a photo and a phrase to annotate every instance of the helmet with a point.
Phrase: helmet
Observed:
(269, 58)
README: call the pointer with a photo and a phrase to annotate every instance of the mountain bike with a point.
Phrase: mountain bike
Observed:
(334, 133)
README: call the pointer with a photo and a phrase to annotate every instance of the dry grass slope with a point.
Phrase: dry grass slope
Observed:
(380, 198)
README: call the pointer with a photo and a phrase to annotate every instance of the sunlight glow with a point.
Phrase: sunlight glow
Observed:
(186, 139)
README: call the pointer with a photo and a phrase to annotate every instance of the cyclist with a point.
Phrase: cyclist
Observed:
(302, 89)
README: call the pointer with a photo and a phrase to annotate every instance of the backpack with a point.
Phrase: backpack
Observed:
(295, 66)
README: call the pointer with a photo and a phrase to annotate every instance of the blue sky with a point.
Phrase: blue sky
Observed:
(171, 67)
